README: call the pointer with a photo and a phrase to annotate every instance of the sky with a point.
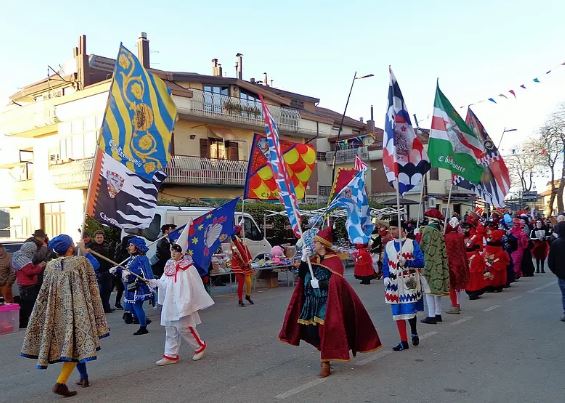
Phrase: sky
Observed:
(476, 49)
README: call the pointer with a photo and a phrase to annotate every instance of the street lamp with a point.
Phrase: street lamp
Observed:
(505, 131)
(343, 117)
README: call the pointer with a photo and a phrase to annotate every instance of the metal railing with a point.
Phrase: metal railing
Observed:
(191, 170)
(19, 119)
(72, 174)
(238, 110)
(345, 156)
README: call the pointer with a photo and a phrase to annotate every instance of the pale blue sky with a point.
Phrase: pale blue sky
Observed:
(478, 49)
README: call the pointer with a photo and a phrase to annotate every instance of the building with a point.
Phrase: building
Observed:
(50, 133)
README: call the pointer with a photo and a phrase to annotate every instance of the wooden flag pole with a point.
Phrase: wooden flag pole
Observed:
(118, 265)
(420, 205)
(447, 211)
(398, 212)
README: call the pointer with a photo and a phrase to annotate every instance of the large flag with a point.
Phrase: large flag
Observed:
(495, 185)
(404, 159)
(452, 144)
(133, 148)
(287, 194)
(202, 238)
(342, 179)
(260, 183)
(353, 199)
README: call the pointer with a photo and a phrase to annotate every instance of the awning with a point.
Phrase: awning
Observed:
(221, 133)
(403, 201)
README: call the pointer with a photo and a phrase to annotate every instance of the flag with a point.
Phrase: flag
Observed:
(492, 100)
(202, 238)
(133, 147)
(404, 159)
(494, 186)
(174, 235)
(452, 144)
(359, 165)
(287, 195)
(342, 179)
(260, 182)
(353, 198)
(513, 93)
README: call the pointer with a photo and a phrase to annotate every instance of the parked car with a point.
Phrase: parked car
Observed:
(11, 245)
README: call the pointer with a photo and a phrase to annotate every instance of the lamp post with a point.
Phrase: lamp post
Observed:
(502, 136)
(343, 117)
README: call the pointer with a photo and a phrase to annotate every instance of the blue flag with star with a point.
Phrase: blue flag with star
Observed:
(207, 232)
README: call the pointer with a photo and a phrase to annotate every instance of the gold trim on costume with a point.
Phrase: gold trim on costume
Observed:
(315, 321)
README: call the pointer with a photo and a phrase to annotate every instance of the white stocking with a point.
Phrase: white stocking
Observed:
(431, 303)
(437, 304)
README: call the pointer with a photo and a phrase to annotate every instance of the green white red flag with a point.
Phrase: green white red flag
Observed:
(452, 144)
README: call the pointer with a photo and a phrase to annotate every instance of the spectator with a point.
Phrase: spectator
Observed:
(105, 279)
(29, 278)
(556, 261)
(163, 250)
(121, 254)
(7, 275)
(42, 254)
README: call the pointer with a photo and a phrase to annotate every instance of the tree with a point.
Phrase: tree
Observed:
(522, 164)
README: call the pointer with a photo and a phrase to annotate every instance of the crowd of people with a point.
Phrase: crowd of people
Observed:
(441, 258)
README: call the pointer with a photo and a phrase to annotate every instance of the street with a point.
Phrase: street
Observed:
(505, 347)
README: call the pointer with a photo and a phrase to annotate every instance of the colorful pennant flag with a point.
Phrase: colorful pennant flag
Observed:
(404, 159)
(260, 183)
(492, 100)
(133, 148)
(287, 194)
(452, 144)
(342, 179)
(494, 186)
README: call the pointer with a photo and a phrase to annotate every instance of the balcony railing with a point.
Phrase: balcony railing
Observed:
(20, 119)
(182, 170)
(235, 110)
(188, 170)
(345, 156)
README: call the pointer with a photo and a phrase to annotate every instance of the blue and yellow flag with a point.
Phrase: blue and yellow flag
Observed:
(139, 118)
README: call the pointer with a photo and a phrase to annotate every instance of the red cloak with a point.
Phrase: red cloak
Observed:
(347, 325)
(496, 261)
(457, 259)
(363, 264)
(476, 281)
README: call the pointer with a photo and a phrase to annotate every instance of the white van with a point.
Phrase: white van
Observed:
(254, 239)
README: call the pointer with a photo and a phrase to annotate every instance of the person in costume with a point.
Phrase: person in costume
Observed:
(527, 266)
(473, 245)
(64, 328)
(136, 276)
(517, 231)
(363, 266)
(458, 265)
(496, 260)
(325, 311)
(539, 236)
(241, 266)
(402, 263)
(435, 276)
(182, 295)
(376, 250)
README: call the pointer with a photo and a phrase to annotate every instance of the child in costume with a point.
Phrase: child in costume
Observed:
(241, 266)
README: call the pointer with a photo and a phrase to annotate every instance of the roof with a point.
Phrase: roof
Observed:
(336, 116)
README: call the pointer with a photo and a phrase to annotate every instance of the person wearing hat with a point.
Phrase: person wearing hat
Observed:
(517, 231)
(540, 245)
(163, 252)
(435, 276)
(182, 295)
(325, 311)
(458, 265)
(65, 329)
(241, 266)
(496, 260)
(363, 266)
(476, 284)
(39, 238)
(402, 262)
(136, 278)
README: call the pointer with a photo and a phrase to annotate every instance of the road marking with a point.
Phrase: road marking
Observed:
(462, 320)
(300, 388)
(427, 335)
(542, 287)
(491, 308)
(514, 298)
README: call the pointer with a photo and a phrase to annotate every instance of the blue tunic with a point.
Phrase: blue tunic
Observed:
(138, 265)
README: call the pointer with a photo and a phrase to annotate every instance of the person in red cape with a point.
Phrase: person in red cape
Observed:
(473, 245)
(363, 269)
(458, 265)
(241, 266)
(325, 312)
(496, 260)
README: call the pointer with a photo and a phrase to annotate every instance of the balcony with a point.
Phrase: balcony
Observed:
(29, 120)
(188, 170)
(182, 170)
(347, 156)
(214, 107)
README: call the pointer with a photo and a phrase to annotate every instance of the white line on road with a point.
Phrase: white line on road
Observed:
(300, 388)
(514, 298)
(462, 320)
(491, 308)
(427, 335)
(542, 287)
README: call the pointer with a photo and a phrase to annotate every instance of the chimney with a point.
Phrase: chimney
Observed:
(252, 80)
(239, 66)
(371, 123)
(83, 68)
(265, 79)
(143, 50)
(216, 68)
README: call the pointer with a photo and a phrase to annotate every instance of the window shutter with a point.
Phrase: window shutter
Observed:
(204, 149)
(233, 150)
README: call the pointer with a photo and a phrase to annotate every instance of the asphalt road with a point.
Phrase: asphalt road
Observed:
(506, 347)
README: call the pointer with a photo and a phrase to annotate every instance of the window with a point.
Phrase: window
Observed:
(320, 155)
(324, 191)
(214, 97)
(219, 149)
(251, 230)
(434, 174)
(52, 218)
(77, 139)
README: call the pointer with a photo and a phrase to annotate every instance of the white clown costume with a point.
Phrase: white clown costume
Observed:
(182, 295)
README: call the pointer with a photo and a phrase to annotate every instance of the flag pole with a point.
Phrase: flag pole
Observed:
(447, 210)
(398, 212)
(420, 206)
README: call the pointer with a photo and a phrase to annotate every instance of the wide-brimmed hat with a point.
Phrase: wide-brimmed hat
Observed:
(325, 237)
(434, 213)
(39, 233)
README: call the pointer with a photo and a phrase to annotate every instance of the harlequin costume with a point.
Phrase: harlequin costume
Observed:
(68, 319)
(332, 318)
(402, 263)
(458, 265)
(182, 295)
(363, 264)
(435, 276)
(241, 266)
(496, 260)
